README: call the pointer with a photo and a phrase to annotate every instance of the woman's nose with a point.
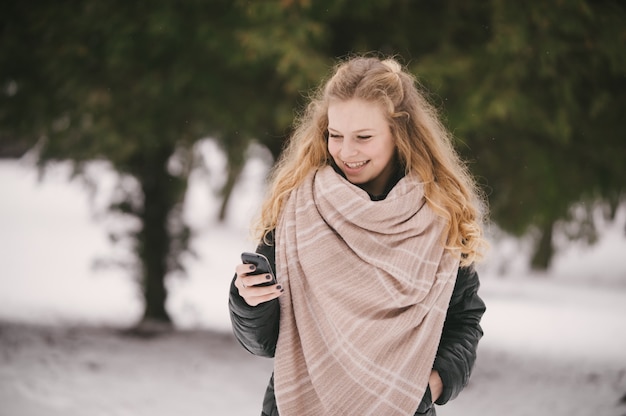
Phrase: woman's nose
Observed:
(347, 148)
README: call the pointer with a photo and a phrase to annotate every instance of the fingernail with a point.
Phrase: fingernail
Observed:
(252, 267)
(268, 277)
(279, 287)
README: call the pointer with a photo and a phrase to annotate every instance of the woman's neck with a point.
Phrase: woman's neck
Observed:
(393, 180)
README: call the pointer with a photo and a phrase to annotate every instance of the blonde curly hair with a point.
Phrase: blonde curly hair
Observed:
(424, 146)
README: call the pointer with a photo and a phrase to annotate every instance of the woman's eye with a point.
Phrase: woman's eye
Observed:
(335, 136)
(363, 137)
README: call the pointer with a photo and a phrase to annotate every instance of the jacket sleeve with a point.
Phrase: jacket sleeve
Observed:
(461, 332)
(255, 327)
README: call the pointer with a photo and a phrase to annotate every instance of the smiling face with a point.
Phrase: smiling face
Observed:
(361, 144)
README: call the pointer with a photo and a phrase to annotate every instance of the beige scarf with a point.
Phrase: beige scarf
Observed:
(367, 286)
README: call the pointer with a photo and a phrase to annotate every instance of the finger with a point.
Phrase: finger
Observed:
(250, 291)
(251, 294)
(244, 269)
(256, 300)
(255, 279)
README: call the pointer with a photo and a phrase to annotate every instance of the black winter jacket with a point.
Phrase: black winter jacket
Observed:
(256, 328)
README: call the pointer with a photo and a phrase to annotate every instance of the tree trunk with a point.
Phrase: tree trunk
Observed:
(233, 175)
(235, 154)
(154, 239)
(544, 249)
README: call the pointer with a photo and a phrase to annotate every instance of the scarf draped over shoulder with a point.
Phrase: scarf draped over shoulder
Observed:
(367, 286)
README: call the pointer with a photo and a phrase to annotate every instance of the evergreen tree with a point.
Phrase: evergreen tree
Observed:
(136, 84)
(532, 91)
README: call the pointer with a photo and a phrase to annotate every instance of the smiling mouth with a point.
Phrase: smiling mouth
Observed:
(355, 165)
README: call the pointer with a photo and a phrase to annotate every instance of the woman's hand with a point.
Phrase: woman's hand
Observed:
(246, 282)
(435, 384)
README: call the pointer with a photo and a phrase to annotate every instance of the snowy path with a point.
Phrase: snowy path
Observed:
(86, 371)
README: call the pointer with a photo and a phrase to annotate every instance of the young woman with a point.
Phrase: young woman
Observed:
(371, 224)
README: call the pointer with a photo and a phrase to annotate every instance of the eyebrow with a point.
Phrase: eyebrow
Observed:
(356, 131)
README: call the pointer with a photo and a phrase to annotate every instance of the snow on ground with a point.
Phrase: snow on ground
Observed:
(553, 344)
(82, 371)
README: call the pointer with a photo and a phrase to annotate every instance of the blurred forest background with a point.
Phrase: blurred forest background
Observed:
(534, 93)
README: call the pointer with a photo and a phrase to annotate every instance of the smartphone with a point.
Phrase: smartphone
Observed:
(262, 265)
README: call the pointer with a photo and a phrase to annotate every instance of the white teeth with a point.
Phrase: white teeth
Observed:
(355, 165)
